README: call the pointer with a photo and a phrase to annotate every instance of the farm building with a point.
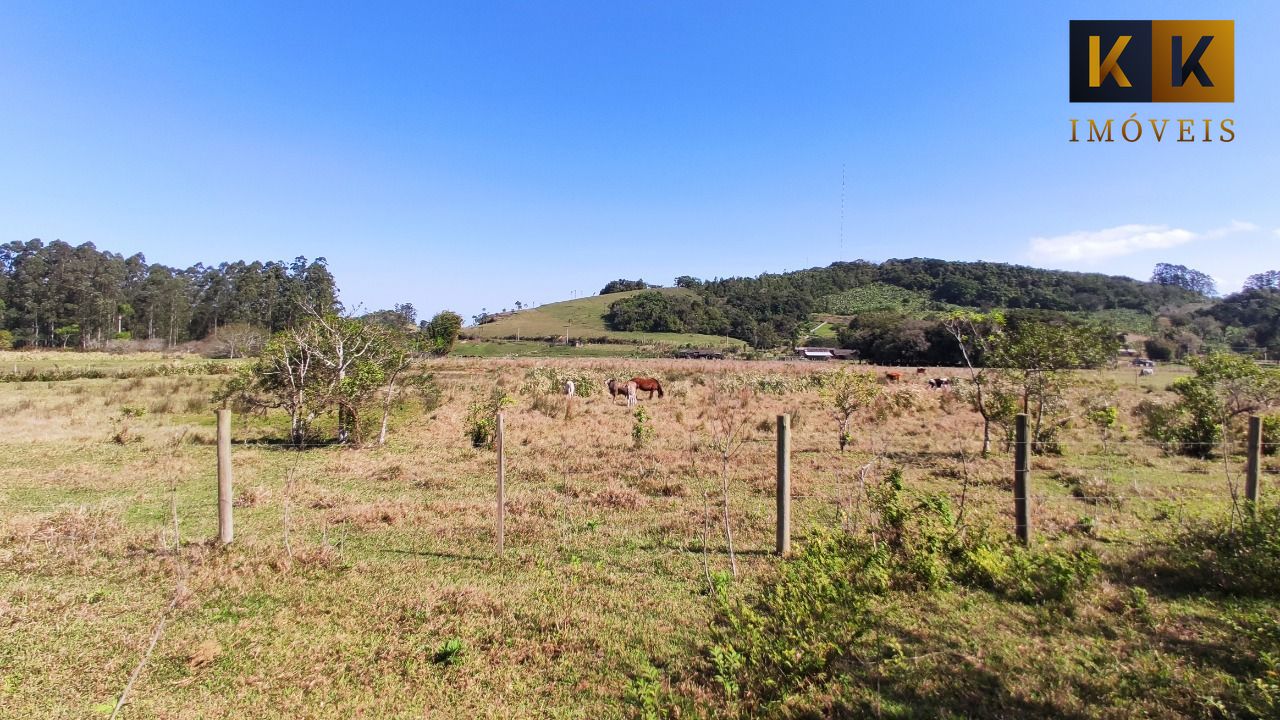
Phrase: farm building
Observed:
(823, 354)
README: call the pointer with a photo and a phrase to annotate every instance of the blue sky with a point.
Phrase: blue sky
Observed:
(470, 155)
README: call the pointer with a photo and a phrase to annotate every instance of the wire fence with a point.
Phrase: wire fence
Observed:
(1112, 488)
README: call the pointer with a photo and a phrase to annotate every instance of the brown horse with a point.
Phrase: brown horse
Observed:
(625, 389)
(648, 384)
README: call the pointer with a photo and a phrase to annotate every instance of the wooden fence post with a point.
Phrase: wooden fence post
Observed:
(502, 482)
(784, 484)
(225, 528)
(1021, 477)
(1253, 466)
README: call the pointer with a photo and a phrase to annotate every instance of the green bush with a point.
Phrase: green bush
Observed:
(815, 609)
(1159, 349)
(6, 340)
(1270, 434)
(551, 380)
(641, 428)
(1224, 389)
(482, 418)
(816, 615)
(1028, 576)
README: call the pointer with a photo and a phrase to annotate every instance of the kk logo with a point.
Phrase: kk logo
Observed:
(1153, 60)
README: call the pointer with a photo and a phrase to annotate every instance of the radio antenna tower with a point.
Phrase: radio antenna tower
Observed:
(841, 257)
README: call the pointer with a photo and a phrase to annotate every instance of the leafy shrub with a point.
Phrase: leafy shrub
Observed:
(1210, 403)
(428, 389)
(641, 428)
(1106, 419)
(545, 380)
(482, 418)
(1028, 576)
(799, 623)
(773, 383)
(1270, 434)
(644, 694)
(6, 340)
(1160, 349)
(816, 615)
(1161, 422)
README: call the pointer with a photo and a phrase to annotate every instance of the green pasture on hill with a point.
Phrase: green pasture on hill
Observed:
(584, 318)
(537, 348)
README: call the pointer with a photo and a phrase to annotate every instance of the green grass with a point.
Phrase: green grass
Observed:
(529, 348)
(822, 328)
(584, 318)
(879, 297)
(1129, 321)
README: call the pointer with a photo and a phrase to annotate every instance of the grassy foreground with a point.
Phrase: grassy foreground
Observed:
(363, 582)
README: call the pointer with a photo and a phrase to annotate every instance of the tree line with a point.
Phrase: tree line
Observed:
(771, 309)
(59, 295)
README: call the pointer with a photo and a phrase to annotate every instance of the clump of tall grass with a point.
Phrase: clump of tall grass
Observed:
(56, 374)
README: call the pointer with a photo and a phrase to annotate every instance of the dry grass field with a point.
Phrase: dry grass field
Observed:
(363, 582)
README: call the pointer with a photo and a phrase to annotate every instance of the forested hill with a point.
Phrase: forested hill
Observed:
(968, 284)
(57, 294)
(767, 310)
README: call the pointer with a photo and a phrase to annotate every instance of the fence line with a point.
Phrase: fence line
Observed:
(1025, 494)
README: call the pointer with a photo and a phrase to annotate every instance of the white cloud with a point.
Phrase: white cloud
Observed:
(1235, 227)
(1087, 245)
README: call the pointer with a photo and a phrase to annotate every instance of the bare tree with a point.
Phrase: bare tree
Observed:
(239, 339)
(343, 342)
(728, 425)
(973, 333)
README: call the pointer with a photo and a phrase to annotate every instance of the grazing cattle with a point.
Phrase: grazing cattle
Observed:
(940, 383)
(919, 371)
(569, 388)
(649, 384)
(892, 377)
(1146, 371)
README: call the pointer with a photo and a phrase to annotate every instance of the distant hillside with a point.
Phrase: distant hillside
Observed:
(843, 302)
(584, 319)
(840, 308)
(771, 309)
